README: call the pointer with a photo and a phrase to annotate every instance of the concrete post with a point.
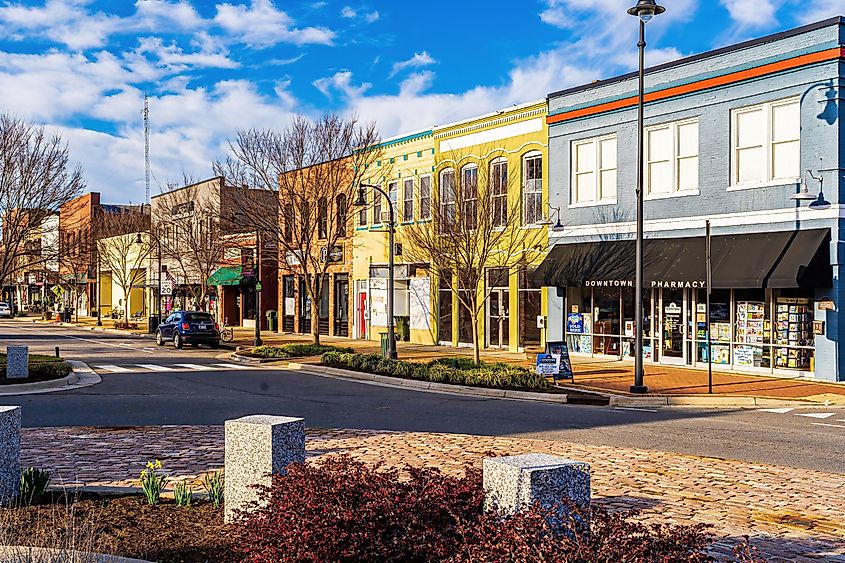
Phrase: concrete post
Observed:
(514, 483)
(256, 447)
(17, 362)
(10, 453)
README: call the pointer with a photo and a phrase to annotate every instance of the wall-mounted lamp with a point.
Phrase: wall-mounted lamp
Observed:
(546, 220)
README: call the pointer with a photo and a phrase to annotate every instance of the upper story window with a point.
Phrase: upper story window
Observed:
(499, 192)
(671, 158)
(532, 190)
(393, 192)
(765, 142)
(362, 216)
(322, 219)
(377, 197)
(447, 200)
(594, 171)
(425, 197)
(341, 210)
(408, 200)
(469, 185)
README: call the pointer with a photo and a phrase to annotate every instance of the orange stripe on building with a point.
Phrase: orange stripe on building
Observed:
(716, 81)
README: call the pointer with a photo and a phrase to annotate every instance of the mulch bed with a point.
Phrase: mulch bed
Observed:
(123, 525)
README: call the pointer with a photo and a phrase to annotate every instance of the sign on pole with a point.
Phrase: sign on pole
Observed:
(166, 287)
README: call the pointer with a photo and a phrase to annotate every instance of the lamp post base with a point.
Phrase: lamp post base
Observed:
(639, 389)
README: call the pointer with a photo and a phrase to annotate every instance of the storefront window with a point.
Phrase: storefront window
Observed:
(752, 329)
(579, 324)
(720, 325)
(629, 324)
(444, 308)
(793, 331)
(606, 321)
(530, 298)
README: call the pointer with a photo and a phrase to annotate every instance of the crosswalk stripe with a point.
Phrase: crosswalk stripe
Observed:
(113, 369)
(155, 367)
(199, 367)
(828, 425)
(817, 414)
(778, 411)
(232, 366)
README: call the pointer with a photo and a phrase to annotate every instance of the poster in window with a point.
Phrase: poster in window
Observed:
(420, 306)
(575, 323)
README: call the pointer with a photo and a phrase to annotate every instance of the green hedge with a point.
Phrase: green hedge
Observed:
(296, 350)
(41, 368)
(456, 371)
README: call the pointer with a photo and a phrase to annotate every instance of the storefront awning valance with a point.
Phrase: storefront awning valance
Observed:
(227, 275)
(776, 259)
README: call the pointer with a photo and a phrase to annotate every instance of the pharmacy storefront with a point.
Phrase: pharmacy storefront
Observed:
(768, 289)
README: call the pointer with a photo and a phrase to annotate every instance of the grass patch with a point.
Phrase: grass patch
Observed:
(295, 351)
(455, 371)
(41, 368)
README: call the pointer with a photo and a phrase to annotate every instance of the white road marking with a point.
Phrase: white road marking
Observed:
(634, 409)
(778, 411)
(197, 367)
(816, 414)
(113, 369)
(828, 425)
(233, 366)
(155, 367)
(95, 341)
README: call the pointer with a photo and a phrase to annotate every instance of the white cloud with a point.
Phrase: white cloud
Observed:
(63, 21)
(341, 81)
(261, 25)
(417, 61)
(372, 16)
(752, 13)
(348, 12)
(817, 10)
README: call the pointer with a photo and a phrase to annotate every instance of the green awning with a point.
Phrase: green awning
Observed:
(227, 275)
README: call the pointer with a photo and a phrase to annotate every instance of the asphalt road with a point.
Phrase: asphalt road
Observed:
(146, 385)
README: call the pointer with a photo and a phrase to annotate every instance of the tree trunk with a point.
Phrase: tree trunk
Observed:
(476, 345)
(315, 312)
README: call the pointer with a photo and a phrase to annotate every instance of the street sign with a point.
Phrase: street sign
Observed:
(166, 287)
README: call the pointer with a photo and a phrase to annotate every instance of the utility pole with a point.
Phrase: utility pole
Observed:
(147, 147)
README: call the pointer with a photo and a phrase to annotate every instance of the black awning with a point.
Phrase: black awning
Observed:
(777, 259)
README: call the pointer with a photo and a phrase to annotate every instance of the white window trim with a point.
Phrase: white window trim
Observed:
(405, 199)
(418, 195)
(768, 181)
(673, 161)
(495, 197)
(596, 172)
(525, 157)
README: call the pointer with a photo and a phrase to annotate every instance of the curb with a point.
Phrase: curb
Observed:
(250, 360)
(82, 376)
(432, 387)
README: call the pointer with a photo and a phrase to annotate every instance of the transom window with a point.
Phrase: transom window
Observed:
(765, 143)
(499, 192)
(671, 155)
(408, 200)
(532, 196)
(594, 171)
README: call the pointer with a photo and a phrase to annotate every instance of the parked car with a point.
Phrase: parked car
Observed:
(188, 327)
(5, 310)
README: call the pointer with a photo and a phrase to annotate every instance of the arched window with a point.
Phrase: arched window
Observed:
(340, 209)
(287, 217)
(499, 192)
(305, 219)
(322, 219)
(532, 188)
(447, 200)
(469, 196)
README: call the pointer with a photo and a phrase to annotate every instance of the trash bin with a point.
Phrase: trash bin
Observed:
(153, 323)
(384, 345)
(272, 321)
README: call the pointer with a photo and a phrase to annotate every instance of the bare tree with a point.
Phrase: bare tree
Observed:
(77, 251)
(189, 227)
(313, 169)
(476, 225)
(36, 178)
(124, 249)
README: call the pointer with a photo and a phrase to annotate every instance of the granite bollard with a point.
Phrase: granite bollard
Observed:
(17, 362)
(10, 453)
(513, 483)
(256, 447)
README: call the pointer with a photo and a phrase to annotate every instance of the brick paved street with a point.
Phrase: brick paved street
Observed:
(790, 513)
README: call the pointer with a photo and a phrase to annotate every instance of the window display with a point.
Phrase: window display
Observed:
(794, 333)
(752, 330)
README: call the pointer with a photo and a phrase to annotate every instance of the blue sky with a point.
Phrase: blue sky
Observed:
(212, 66)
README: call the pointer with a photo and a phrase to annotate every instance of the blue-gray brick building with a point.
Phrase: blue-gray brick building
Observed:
(731, 136)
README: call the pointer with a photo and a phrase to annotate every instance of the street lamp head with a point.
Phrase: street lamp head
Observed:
(361, 201)
(646, 9)
(138, 239)
(804, 193)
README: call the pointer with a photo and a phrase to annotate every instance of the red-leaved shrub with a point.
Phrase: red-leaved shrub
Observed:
(340, 510)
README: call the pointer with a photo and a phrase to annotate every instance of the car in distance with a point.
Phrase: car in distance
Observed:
(5, 310)
(188, 327)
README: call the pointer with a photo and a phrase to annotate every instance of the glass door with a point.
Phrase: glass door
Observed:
(497, 319)
(673, 309)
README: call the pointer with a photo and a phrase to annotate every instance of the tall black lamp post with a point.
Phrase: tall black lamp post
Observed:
(391, 228)
(644, 10)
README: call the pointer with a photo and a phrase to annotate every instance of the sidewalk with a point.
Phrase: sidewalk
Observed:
(790, 514)
(604, 375)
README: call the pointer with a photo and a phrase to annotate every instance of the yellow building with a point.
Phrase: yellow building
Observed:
(404, 170)
(510, 149)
